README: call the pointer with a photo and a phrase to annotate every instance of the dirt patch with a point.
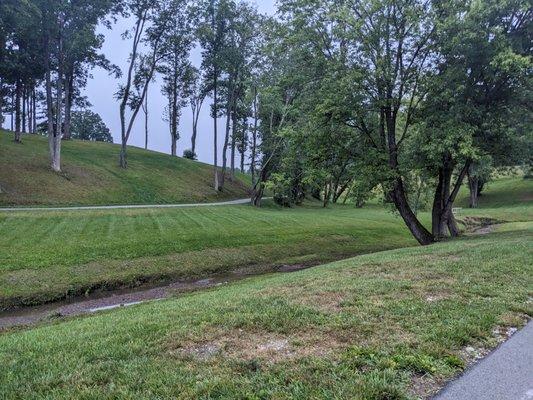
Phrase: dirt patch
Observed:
(267, 347)
(479, 225)
(330, 302)
(424, 386)
(436, 297)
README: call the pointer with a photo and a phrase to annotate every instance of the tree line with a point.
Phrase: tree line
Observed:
(340, 100)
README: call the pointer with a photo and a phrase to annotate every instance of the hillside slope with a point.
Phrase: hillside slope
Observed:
(91, 176)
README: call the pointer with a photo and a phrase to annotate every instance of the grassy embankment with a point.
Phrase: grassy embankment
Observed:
(391, 325)
(48, 255)
(91, 176)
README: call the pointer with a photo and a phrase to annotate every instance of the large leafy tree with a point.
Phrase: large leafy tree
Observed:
(88, 125)
(411, 75)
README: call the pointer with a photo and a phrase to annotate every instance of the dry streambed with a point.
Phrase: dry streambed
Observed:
(109, 300)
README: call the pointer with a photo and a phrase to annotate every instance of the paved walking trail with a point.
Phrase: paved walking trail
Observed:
(222, 203)
(506, 374)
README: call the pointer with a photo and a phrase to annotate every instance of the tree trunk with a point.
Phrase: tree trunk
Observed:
(24, 108)
(1, 99)
(30, 109)
(145, 109)
(242, 159)
(34, 108)
(18, 95)
(11, 113)
(254, 137)
(69, 89)
(443, 220)
(125, 131)
(233, 137)
(473, 185)
(225, 152)
(174, 116)
(215, 128)
(226, 138)
(399, 198)
(398, 194)
(56, 150)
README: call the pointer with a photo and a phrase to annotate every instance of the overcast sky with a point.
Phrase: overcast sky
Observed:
(101, 88)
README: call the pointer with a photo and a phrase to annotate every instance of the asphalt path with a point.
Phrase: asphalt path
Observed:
(506, 374)
(126, 207)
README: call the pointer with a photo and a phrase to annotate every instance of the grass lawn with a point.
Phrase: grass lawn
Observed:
(49, 255)
(390, 325)
(91, 176)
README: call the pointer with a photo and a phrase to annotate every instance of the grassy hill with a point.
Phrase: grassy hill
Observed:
(91, 176)
(391, 325)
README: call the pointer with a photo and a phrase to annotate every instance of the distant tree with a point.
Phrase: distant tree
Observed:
(88, 125)
(178, 75)
(212, 35)
(152, 19)
(198, 93)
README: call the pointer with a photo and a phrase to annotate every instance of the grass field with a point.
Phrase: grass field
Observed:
(91, 176)
(49, 255)
(46, 256)
(391, 325)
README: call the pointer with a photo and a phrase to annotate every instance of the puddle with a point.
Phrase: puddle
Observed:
(110, 300)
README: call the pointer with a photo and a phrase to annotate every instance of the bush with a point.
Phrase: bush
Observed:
(189, 154)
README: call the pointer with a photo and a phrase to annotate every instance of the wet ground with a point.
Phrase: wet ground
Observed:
(127, 297)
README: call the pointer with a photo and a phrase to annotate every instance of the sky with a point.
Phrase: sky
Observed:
(101, 88)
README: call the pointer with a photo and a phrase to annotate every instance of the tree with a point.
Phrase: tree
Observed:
(212, 35)
(176, 68)
(389, 59)
(152, 19)
(81, 47)
(87, 125)
(197, 96)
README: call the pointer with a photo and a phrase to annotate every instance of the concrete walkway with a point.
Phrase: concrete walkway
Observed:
(506, 374)
(223, 203)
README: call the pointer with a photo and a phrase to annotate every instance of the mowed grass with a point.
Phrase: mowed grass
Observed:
(508, 198)
(91, 176)
(391, 325)
(50, 255)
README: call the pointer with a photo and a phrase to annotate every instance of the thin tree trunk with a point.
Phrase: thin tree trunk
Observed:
(69, 91)
(196, 109)
(145, 110)
(215, 129)
(233, 137)
(34, 112)
(18, 95)
(254, 137)
(226, 138)
(124, 131)
(30, 108)
(242, 156)
(473, 185)
(173, 109)
(1, 98)
(24, 108)
(56, 154)
(11, 112)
